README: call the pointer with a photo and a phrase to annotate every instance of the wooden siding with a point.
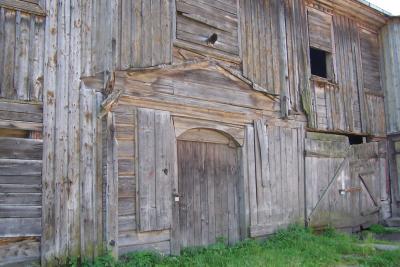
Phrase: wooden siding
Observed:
(20, 182)
(49, 55)
(348, 66)
(320, 29)
(196, 21)
(263, 46)
(282, 149)
(123, 34)
(370, 55)
(390, 42)
(349, 102)
(22, 55)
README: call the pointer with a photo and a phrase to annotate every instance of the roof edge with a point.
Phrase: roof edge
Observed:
(375, 7)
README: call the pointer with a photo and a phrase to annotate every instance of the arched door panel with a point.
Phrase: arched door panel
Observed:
(208, 174)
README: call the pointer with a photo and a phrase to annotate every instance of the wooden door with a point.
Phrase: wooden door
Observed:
(343, 181)
(208, 207)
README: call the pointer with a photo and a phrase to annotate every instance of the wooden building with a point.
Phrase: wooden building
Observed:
(162, 124)
(390, 36)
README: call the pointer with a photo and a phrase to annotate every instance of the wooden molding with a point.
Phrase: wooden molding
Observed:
(28, 6)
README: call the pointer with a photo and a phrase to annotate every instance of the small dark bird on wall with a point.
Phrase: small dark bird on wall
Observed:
(212, 39)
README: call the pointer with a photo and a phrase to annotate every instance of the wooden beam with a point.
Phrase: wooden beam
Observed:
(109, 102)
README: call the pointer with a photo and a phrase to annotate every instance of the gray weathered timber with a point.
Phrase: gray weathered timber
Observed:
(223, 73)
(390, 61)
(345, 189)
(206, 216)
(155, 171)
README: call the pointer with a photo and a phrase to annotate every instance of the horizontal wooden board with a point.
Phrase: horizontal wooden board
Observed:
(7, 211)
(16, 167)
(197, 21)
(10, 227)
(21, 199)
(18, 148)
(20, 251)
(21, 179)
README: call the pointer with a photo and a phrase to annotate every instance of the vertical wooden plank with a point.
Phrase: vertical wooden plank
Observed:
(243, 35)
(22, 56)
(61, 135)
(36, 58)
(166, 31)
(48, 213)
(301, 176)
(199, 151)
(243, 189)
(147, 49)
(73, 128)
(156, 45)
(137, 19)
(250, 146)
(98, 175)
(7, 83)
(87, 168)
(2, 44)
(126, 33)
(17, 52)
(249, 37)
(146, 175)
(256, 40)
(176, 223)
(163, 164)
(204, 215)
(86, 54)
(211, 192)
(111, 188)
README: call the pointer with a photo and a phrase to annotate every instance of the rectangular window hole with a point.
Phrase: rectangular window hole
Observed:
(319, 62)
(356, 139)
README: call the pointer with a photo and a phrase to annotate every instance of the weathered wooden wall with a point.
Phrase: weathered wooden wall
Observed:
(394, 164)
(20, 182)
(21, 59)
(262, 73)
(274, 168)
(390, 42)
(351, 99)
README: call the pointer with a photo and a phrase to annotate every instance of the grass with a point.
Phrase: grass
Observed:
(295, 246)
(379, 229)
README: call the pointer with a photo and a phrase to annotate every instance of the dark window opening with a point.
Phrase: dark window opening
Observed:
(318, 60)
(356, 139)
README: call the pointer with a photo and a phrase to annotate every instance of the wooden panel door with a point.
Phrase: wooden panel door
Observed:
(343, 181)
(208, 207)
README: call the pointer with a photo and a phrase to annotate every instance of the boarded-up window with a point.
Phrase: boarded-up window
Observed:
(320, 30)
(321, 45)
(370, 60)
(156, 159)
(208, 26)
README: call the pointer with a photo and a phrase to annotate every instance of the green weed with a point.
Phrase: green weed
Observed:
(295, 246)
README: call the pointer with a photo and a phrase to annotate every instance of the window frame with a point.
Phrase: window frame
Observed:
(330, 54)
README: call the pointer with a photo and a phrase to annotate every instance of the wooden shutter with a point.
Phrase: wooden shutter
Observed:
(320, 30)
(156, 169)
(369, 43)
